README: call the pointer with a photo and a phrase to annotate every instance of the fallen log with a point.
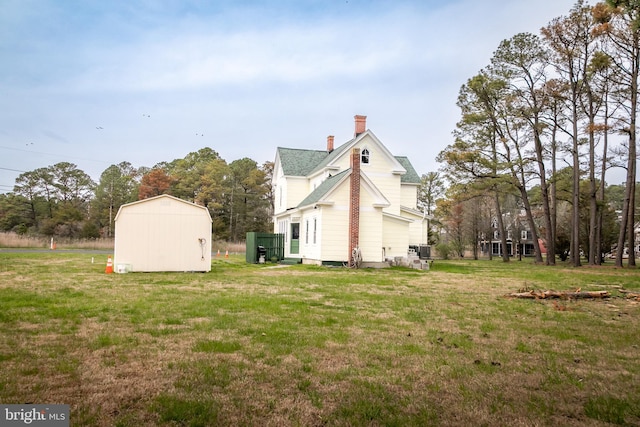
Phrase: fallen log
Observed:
(563, 295)
(630, 294)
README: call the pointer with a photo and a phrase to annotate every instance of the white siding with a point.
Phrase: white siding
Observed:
(378, 170)
(335, 227)
(417, 229)
(162, 234)
(409, 195)
(396, 237)
(310, 246)
(296, 191)
(370, 237)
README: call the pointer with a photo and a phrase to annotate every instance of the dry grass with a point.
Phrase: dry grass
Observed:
(252, 345)
(14, 240)
(234, 248)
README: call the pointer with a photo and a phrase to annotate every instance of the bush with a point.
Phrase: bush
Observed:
(444, 250)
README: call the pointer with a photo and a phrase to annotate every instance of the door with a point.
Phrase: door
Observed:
(295, 238)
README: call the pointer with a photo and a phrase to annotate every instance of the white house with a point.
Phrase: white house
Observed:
(357, 199)
(162, 233)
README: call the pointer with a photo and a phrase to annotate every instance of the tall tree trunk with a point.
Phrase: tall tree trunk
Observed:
(575, 211)
(593, 201)
(554, 193)
(631, 224)
(603, 174)
(544, 192)
(501, 230)
(632, 153)
(624, 218)
(531, 222)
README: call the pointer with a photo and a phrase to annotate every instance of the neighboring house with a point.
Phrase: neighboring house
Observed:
(355, 199)
(519, 237)
(162, 233)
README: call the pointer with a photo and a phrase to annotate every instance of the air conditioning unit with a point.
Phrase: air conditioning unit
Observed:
(424, 252)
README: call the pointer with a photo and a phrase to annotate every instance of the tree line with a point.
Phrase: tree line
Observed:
(62, 200)
(536, 133)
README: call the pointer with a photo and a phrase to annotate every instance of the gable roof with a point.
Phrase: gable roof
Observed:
(333, 155)
(411, 177)
(162, 196)
(338, 152)
(298, 162)
(301, 162)
(326, 186)
(334, 181)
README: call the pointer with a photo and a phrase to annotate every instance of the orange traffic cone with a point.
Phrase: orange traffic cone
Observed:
(218, 252)
(226, 255)
(109, 268)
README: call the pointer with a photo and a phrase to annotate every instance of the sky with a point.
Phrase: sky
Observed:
(96, 82)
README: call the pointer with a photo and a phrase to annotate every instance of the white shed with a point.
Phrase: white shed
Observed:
(162, 233)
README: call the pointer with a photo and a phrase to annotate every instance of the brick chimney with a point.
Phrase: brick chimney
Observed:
(330, 143)
(354, 204)
(361, 124)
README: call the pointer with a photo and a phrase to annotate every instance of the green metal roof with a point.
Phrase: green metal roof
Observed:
(323, 188)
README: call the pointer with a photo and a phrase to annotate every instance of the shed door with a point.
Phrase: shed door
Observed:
(295, 238)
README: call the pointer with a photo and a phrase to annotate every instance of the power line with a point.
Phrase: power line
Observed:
(12, 170)
(58, 155)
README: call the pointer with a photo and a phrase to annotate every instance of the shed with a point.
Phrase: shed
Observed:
(162, 233)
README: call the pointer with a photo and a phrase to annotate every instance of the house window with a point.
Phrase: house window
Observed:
(495, 248)
(315, 229)
(283, 226)
(524, 234)
(496, 234)
(365, 156)
(306, 232)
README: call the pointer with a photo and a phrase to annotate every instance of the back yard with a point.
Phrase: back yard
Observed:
(311, 346)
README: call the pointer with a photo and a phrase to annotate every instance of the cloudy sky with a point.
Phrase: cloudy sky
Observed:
(99, 82)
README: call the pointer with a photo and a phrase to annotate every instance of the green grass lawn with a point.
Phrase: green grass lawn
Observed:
(306, 346)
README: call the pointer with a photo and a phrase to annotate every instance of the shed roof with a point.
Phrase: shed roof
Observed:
(163, 196)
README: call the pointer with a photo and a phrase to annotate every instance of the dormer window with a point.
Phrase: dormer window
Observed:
(364, 158)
